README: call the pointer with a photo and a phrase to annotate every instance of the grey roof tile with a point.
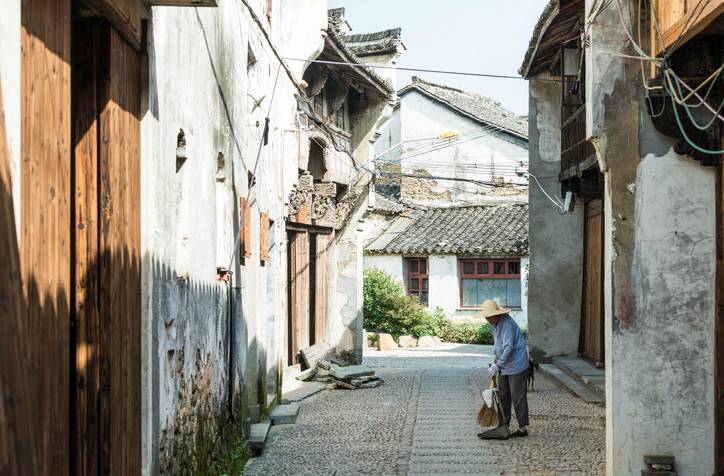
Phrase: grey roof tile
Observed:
(486, 231)
(481, 108)
(379, 42)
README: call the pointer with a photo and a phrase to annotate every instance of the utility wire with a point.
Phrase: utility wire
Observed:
(263, 140)
(424, 70)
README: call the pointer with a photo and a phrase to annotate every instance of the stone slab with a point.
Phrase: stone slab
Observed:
(285, 414)
(353, 371)
(584, 372)
(258, 434)
(407, 341)
(569, 383)
(304, 391)
(386, 342)
(426, 342)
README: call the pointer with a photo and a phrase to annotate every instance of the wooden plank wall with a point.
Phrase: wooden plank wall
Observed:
(120, 249)
(45, 221)
(299, 292)
(87, 47)
(18, 454)
(325, 250)
(591, 343)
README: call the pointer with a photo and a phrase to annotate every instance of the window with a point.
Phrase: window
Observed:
(483, 279)
(417, 278)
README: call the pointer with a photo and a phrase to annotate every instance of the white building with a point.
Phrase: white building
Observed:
(438, 132)
(455, 258)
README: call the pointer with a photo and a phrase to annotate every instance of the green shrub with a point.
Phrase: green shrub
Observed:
(469, 333)
(387, 309)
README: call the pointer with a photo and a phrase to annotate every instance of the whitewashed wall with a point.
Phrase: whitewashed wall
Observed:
(444, 284)
(421, 117)
(10, 80)
(200, 82)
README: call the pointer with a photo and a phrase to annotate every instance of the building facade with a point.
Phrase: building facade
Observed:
(167, 168)
(611, 129)
(445, 147)
(455, 258)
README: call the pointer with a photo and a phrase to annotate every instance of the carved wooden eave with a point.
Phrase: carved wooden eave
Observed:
(128, 16)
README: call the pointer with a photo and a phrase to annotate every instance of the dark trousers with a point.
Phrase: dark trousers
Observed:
(513, 389)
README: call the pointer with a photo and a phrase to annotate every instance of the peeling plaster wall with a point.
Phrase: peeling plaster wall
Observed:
(198, 330)
(659, 273)
(422, 118)
(670, 343)
(556, 240)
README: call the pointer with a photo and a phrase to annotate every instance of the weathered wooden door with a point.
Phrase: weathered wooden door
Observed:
(106, 252)
(310, 251)
(45, 157)
(298, 290)
(591, 341)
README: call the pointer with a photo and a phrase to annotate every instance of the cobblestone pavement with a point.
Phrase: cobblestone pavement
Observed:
(422, 421)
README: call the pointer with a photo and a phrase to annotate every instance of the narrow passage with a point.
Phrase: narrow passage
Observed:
(422, 421)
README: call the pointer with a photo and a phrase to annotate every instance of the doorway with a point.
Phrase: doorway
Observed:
(309, 256)
(591, 339)
(105, 252)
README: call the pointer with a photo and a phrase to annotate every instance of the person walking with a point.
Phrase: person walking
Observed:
(510, 365)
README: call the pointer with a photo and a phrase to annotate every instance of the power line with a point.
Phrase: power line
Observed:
(424, 70)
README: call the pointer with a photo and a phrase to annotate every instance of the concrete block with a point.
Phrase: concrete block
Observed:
(354, 371)
(426, 341)
(365, 341)
(386, 342)
(254, 413)
(285, 414)
(258, 434)
(437, 340)
(306, 390)
(407, 341)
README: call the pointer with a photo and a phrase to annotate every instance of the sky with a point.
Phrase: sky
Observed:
(479, 36)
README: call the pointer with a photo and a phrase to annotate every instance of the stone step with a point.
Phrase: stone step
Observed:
(258, 435)
(569, 383)
(302, 391)
(583, 372)
(285, 414)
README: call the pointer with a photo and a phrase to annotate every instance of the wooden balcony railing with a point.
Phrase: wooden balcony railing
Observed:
(577, 154)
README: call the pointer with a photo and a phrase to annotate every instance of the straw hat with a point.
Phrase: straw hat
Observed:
(491, 308)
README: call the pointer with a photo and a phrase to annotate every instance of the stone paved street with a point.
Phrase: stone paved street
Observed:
(422, 421)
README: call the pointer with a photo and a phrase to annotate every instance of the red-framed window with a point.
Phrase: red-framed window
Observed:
(418, 279)
(483, 279)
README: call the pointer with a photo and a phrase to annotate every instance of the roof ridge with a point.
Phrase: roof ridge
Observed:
(395, 32)
(493, 101)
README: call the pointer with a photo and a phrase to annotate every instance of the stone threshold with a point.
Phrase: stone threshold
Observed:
(579, 377)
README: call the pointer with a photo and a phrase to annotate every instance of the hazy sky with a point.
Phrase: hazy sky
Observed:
(481, 36)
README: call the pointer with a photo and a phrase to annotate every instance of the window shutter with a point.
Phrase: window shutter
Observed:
(264, 238)
(245, 225)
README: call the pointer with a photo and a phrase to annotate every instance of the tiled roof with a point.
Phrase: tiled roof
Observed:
(478, 107)
(336, 38)
(365, 44)
(385, 204)
(487, 231)
(538, 31)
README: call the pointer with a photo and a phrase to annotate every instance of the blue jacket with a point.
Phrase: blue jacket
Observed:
(510, 347)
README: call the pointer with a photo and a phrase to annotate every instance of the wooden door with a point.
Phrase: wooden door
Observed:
(45, 153)
(310, 253)
(298, 289)
(106, 259)
(591, 341)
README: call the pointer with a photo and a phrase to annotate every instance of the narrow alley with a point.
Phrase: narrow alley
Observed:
(422, 421)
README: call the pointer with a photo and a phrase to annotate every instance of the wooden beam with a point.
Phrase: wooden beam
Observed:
(676, 19)
(126, 16)
(182, 3)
